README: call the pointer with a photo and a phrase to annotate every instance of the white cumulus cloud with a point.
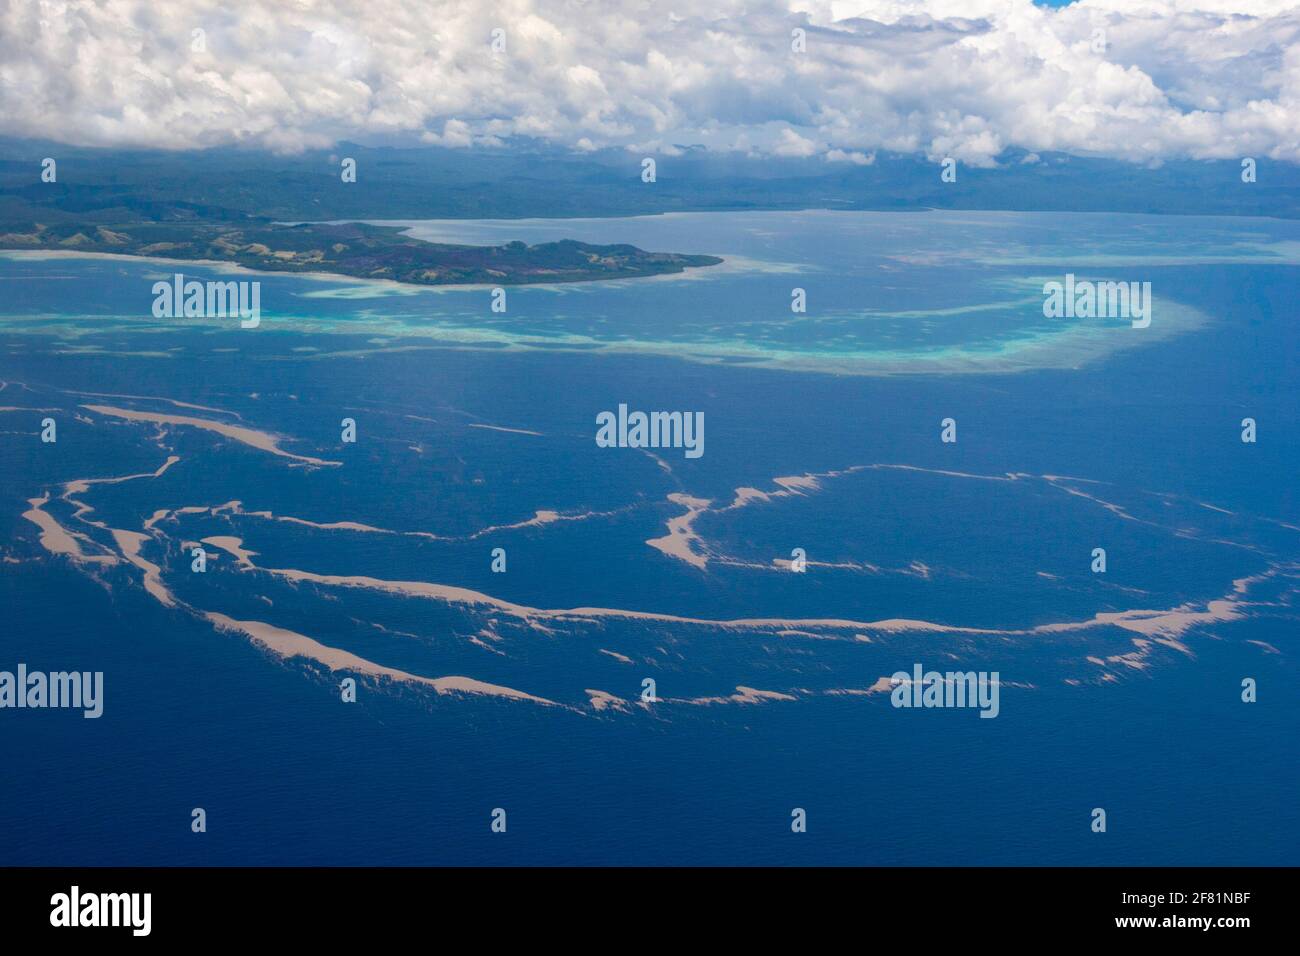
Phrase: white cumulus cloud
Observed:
(1144, 80)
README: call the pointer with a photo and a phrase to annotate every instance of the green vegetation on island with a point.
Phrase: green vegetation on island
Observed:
(353, 249)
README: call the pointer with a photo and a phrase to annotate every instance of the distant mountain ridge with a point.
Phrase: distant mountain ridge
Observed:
(435, 183)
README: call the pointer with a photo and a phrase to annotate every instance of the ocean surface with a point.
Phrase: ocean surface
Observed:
(522, 689)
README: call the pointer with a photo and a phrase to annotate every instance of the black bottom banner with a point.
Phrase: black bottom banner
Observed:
(335, 905)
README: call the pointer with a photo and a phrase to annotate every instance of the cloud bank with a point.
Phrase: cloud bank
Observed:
(1141, 80)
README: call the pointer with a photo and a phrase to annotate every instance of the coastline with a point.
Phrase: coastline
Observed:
(223, 265)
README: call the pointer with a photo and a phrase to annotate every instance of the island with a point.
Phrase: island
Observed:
(356, 249)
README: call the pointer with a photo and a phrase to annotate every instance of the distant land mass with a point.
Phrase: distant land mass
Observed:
(107, 186)
(293, 213)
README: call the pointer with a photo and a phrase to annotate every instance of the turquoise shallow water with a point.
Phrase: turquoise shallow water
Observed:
(884, 292)
(471, 423)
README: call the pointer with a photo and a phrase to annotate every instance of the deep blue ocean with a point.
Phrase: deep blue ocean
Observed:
(1072, 435)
